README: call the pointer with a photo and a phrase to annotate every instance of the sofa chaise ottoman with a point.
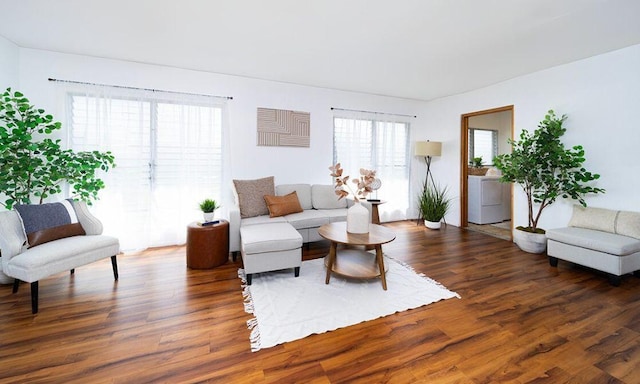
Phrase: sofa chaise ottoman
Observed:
(602, 239)
(270, 247)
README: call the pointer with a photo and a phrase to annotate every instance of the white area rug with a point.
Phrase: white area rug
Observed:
(287, 308)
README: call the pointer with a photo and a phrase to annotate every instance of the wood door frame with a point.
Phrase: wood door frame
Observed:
(464, 160)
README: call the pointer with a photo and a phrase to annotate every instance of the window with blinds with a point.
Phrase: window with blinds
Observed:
(168, 157)
(188, 146)
(483, 143)
(381, 145)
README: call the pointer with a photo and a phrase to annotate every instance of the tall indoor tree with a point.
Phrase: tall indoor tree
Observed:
(545, 169)
(34, 166)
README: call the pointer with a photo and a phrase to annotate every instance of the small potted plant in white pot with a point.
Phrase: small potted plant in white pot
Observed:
(546, 170)
(208, 207)
(433, 204)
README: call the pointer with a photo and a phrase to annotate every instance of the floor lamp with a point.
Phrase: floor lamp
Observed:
(428, 149)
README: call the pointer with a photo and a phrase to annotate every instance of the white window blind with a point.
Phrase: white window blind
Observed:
(168, 153)
(483, 143)
(372, 142)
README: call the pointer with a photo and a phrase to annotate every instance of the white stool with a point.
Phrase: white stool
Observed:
(270, 247)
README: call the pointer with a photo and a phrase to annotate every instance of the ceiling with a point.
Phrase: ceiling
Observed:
(416, 49)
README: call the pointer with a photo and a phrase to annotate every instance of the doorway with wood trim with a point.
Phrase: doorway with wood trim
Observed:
(485, 203)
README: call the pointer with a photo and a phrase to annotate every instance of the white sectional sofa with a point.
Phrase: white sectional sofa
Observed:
(268, 224)
(320, 206)
(602, 239)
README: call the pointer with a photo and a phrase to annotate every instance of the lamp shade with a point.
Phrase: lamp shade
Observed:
(428, 148)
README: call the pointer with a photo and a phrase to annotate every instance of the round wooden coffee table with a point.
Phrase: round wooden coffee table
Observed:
(356, 263)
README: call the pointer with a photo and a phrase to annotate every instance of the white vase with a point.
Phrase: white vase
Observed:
(432, 224)
(358, 219)
(530, 242)
(208, 216)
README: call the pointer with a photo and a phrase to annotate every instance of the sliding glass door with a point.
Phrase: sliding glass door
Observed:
(168, 154)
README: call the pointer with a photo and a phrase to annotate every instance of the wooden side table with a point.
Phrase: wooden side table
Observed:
(207, 247)
(375, 215)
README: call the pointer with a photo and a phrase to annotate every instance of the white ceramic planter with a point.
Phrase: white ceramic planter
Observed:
(208, 216)
(530, 242)
(432, 224)
(358, 219)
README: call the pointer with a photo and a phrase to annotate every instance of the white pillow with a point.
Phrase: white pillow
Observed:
(302, 190)
(628, 224)
(599, 219)
(324, 197)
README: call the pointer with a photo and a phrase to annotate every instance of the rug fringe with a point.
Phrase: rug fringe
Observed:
(252, 324)
(254, 336)
(246, 296)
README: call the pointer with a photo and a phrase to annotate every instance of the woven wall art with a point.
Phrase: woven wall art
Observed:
(279, 127)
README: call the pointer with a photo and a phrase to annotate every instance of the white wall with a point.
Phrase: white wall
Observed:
(287, 164)
(8, 64)
(600, 95)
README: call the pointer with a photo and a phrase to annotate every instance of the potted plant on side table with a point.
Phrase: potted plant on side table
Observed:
(545, 170)
(433, 204)
(208, 207)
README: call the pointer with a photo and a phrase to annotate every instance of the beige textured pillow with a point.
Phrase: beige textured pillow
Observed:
(283, 205)
(600, 219)
(628, 224)
(251, 195)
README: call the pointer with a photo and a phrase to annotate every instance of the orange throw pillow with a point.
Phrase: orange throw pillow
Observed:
(283, 205)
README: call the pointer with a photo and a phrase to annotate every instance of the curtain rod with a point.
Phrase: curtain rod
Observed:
(139, 89)
(377, 113)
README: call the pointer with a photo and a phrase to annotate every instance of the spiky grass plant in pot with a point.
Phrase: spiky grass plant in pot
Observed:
(433, 204)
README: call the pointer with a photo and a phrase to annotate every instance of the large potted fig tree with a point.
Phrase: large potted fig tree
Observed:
(34, 166)
(546, 171)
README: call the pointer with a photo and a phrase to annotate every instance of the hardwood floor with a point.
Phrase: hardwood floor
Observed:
(518, 321)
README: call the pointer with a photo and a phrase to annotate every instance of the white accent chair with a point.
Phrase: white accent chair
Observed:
(33, 264)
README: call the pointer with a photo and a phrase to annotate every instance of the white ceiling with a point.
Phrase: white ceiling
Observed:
(418, 49)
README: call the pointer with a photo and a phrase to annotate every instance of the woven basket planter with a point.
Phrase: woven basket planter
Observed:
(473, 171)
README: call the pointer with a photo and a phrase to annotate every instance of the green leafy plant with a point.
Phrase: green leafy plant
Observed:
(434, 203)
(33, 165)
(476, 162)
(545, 169)
(209, 205)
